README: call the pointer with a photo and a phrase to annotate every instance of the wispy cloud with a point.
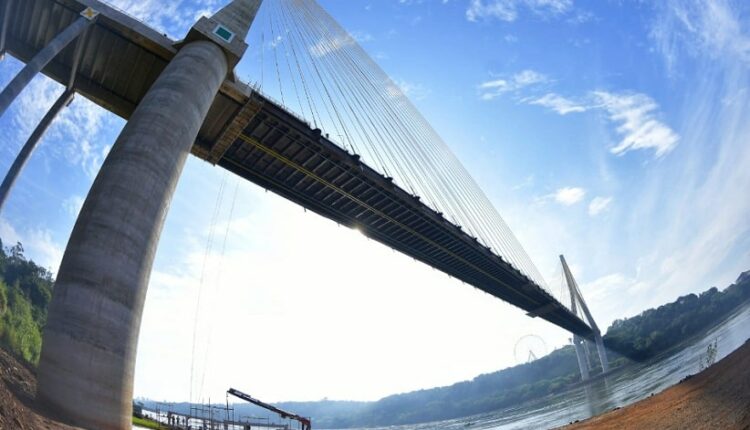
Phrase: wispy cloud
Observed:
(495, 88)
(413, 90)
(636, 115)
(73, 205)
(78, 125)
(706, 28)
(557, 103)
(37, 242)
(569, 196)
(508, 10)
(330, 45)
(599, 205)
(171, 17)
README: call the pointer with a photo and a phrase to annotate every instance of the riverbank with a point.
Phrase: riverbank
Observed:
(17, 407)
(717, 398)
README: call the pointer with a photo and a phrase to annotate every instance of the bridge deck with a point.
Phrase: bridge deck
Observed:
(261, 141)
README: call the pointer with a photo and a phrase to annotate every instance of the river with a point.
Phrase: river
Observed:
(623, 387)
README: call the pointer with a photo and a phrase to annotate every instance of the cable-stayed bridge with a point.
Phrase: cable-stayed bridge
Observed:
(384, 172)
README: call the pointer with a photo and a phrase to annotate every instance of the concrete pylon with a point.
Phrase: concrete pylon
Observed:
(89, 346)
(236, 15)
(583, 361)
(576, 297)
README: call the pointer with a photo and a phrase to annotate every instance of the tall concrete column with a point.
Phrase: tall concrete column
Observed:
(583, 361)
(602, 351)
(577, 297)
(30, 145)
(88, 354)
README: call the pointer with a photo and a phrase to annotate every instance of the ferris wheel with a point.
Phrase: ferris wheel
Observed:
(529, 348)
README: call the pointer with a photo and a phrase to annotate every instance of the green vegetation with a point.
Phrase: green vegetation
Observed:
(657, 330)
(147, 423)
(25, 292)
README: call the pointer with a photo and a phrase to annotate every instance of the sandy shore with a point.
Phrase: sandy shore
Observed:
(717, 398)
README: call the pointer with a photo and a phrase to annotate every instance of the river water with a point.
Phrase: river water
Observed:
(623, 387)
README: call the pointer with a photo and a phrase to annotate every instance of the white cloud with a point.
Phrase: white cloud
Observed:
(638, 127)
(604, 297)
(599, 205)
(706, 28)
(73, 204)
(508, 10)
(78, 125)
(330, 45)
(170, 17)
(37, 242)
(495, 88)
(414, 91)
(634, 113)
(569, 196)
(557, 103)
(77, 128)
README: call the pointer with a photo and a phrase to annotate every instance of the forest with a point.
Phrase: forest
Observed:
(25, 292)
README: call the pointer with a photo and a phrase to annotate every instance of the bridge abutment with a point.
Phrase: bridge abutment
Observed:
(89, 347)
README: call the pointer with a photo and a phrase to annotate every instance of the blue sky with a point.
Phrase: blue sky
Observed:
(615, 132)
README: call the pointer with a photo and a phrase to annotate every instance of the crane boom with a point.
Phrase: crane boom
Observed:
(305, 422)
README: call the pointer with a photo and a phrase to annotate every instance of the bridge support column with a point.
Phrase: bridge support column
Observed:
(43, 57)
(88, 353)
(28, 147)
(583, 360)
(577, 297)
(601, 351)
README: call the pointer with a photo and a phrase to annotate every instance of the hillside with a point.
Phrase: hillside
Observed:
(25, 292)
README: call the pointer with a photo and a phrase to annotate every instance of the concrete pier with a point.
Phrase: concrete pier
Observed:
(602, 351)
(88, 354)
(582, 357)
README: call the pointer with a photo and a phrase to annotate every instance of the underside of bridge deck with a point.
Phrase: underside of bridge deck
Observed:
(260, 140)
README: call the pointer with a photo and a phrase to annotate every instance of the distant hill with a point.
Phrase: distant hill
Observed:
(26, 289)
(652, 332)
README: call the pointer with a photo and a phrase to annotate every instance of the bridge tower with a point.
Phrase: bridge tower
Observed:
(89, 346)
(576, 298)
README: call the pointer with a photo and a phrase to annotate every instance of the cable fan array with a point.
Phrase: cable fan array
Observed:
(301, 56)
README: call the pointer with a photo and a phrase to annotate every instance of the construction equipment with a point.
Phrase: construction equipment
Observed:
(305, 422)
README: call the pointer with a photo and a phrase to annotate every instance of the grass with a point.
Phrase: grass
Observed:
(147, 423)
